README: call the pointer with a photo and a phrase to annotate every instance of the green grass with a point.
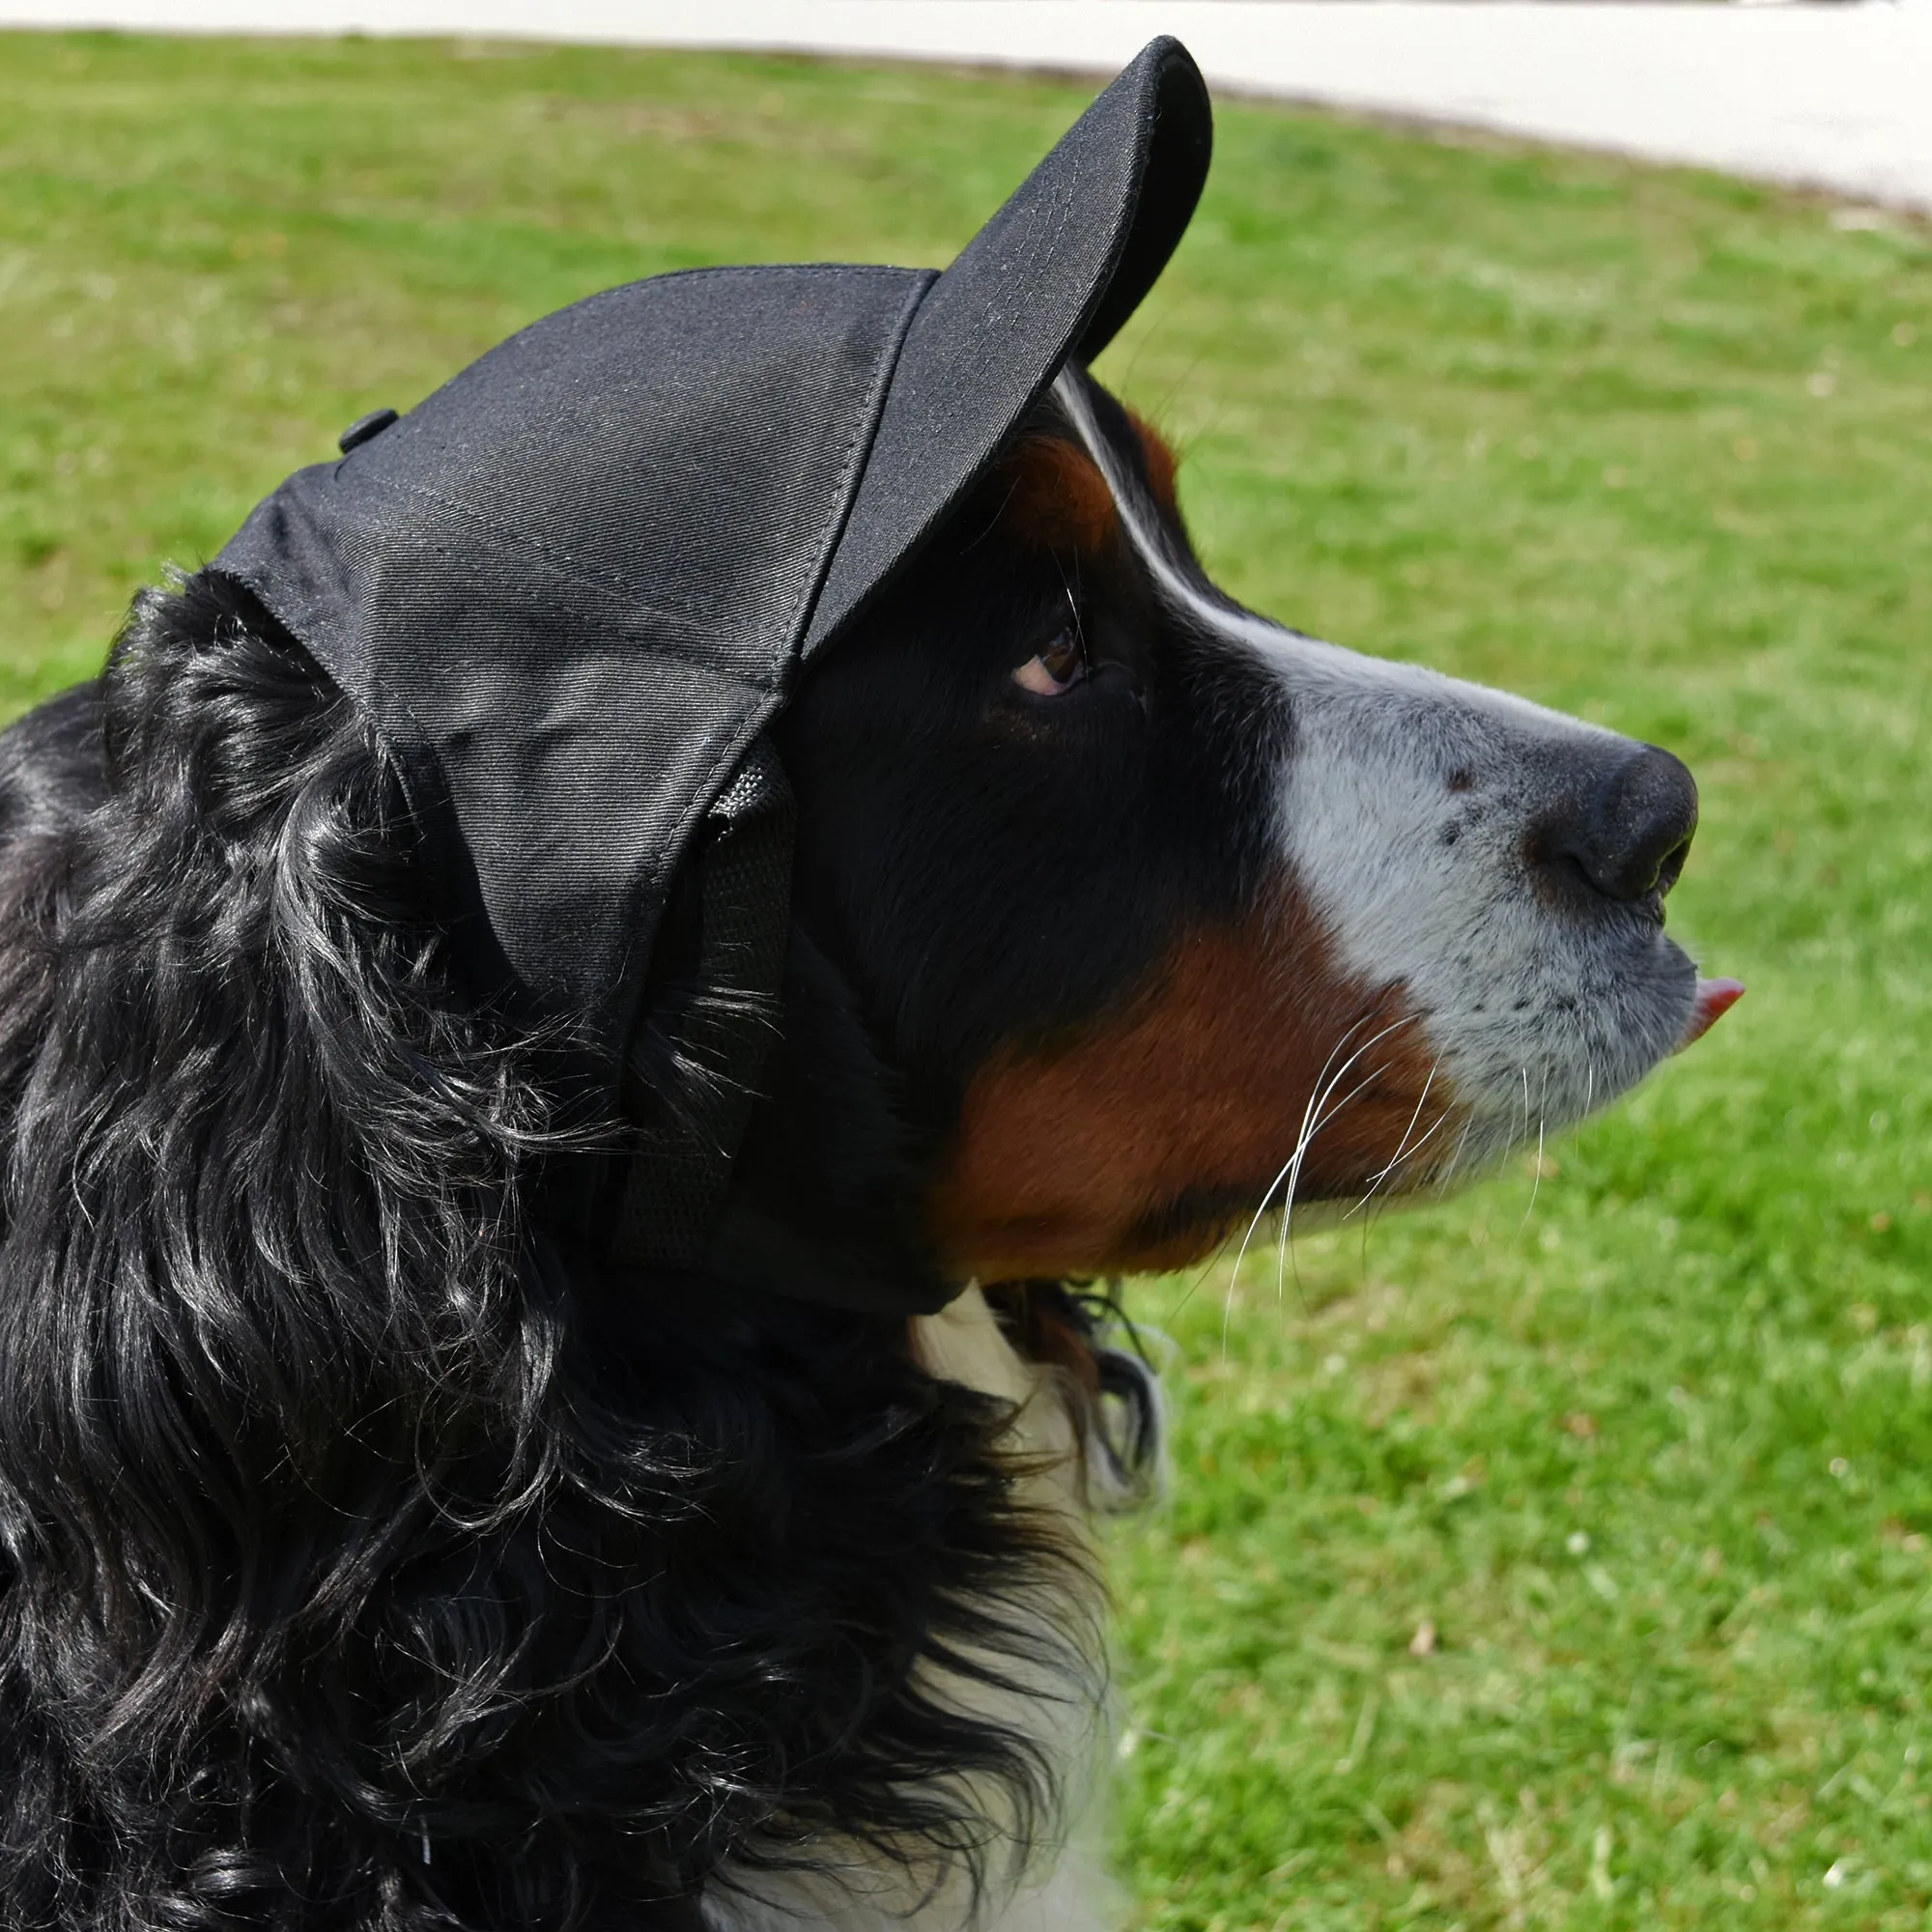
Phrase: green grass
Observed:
(1653, 1455)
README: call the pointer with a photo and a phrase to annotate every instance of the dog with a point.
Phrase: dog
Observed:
(368, 1560)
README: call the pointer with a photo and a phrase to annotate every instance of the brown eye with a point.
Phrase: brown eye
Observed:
(1055, 669)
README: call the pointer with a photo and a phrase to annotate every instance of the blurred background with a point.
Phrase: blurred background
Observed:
(1560, 1556)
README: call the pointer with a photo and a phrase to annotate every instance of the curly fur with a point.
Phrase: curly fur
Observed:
(366, 1561)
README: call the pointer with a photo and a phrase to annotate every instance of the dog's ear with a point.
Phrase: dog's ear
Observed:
(823, 1202)
(259, 1169)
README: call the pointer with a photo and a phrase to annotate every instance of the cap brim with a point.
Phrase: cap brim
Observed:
(1052, 276)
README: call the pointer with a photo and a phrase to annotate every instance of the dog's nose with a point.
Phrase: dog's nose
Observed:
(1627, 832)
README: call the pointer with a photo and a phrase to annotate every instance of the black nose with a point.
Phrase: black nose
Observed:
(1627, 829)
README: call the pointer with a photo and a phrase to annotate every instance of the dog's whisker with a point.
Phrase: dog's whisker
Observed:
(1314, 1117)
(1289, 1169)
(1455, 1163)
(1235, 1274)
(1328, 1115)
(1535, 1175)
(1396, 1160)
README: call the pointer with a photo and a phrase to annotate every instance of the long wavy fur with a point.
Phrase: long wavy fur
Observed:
(362, 1563)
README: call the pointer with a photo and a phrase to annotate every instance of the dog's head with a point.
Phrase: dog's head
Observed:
(1121, 913)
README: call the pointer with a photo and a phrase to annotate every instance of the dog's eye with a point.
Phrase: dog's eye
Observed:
(1055, 669)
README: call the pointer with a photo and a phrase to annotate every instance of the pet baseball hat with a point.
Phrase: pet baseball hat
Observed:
(573, 587)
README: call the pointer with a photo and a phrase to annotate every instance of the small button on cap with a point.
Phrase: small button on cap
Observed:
(363, 428)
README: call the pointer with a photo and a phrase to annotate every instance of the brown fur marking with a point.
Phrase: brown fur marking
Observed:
(1057, 500)
(1071, 1161)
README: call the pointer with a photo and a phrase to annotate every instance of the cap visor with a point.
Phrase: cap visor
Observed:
(1052, 276)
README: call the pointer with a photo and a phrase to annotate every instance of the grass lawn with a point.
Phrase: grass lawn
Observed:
(1645, 1439)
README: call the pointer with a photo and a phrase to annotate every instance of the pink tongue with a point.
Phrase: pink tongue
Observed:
(1715, 999)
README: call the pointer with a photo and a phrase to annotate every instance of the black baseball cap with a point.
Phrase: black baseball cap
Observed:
(573, 587)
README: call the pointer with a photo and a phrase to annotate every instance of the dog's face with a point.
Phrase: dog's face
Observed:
(1146, 911)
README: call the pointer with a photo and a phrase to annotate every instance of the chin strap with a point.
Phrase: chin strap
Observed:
(710, 1019)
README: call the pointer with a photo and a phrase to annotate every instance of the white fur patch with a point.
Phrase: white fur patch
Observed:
(1532, 1013)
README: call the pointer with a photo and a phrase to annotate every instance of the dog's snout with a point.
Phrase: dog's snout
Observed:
(1626, 833)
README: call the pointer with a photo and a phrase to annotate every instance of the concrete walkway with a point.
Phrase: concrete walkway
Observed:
(1837, 98)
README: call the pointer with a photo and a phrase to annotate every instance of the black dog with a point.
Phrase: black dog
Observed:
(370, 1564)
(375, 1553)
